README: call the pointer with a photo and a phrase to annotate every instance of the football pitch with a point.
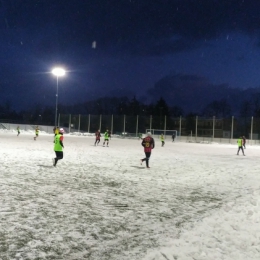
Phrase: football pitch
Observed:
(99, 203)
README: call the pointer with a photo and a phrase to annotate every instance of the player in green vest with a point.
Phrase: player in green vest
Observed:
(162, 139)
(106, 138)
(240, 145)
(36, 132)
(58, 146)
(18, 130)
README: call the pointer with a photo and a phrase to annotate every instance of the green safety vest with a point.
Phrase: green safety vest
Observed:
(57, 145)
(239, 142)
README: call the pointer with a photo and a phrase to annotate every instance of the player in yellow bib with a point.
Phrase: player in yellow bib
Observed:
(162, 139)
(240, 145)
(36, 133)
(58, 146)
(56, 130)
(106, 138)
(18, 130)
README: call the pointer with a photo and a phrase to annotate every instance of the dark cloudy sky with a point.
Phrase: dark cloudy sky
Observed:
(138, 42)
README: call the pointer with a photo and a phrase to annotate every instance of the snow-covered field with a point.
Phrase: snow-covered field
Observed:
(197, 201)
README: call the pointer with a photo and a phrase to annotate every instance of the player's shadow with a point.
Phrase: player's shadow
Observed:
(45, 166)
(137, 167)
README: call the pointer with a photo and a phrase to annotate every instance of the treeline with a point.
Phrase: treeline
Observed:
(130, 107)
(104, 106)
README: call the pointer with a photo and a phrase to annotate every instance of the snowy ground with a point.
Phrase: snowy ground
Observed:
(198, 201)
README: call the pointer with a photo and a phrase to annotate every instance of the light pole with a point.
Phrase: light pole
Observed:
(58, 72)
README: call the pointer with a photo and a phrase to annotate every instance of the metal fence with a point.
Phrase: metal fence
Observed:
(185, 126)
(193, 127)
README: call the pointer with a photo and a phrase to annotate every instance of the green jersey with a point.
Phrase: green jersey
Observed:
(57, 143)
(106, 135)
(162, 137)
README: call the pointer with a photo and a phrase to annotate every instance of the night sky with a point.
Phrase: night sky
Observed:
(138, 42)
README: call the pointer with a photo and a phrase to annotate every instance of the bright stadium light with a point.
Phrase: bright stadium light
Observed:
(58, 72)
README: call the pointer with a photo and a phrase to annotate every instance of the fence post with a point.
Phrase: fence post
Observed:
(137, 126)
(79, 124)
(180, 127)
(151, 119)
(100, 121)
(69, 122)
(88, 123)
(196, 130)
(164, 126)
(213, 130)
(112, 122)
(59, 121)
(252, 121)
(232, 128)
(124, 126)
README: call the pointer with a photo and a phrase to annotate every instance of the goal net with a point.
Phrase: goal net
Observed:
(168, 134)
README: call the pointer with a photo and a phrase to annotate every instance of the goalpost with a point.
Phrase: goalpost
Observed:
(167, 133)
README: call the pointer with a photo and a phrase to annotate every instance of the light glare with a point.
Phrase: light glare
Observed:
(58, 72)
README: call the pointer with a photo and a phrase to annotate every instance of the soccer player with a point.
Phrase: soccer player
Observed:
(58, 146)
(244, 142)
(173, 137)
(98, 135)
(162, 139)
(18, 130)
(55, 130)
(109, 135)
(148, 144)
(36, 132)
(240, 145)
(106, 138)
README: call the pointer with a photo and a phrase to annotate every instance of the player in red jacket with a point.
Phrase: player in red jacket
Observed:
(148, 144)
(98, 135)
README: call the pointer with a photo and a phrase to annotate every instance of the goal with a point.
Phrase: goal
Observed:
(167, 133)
